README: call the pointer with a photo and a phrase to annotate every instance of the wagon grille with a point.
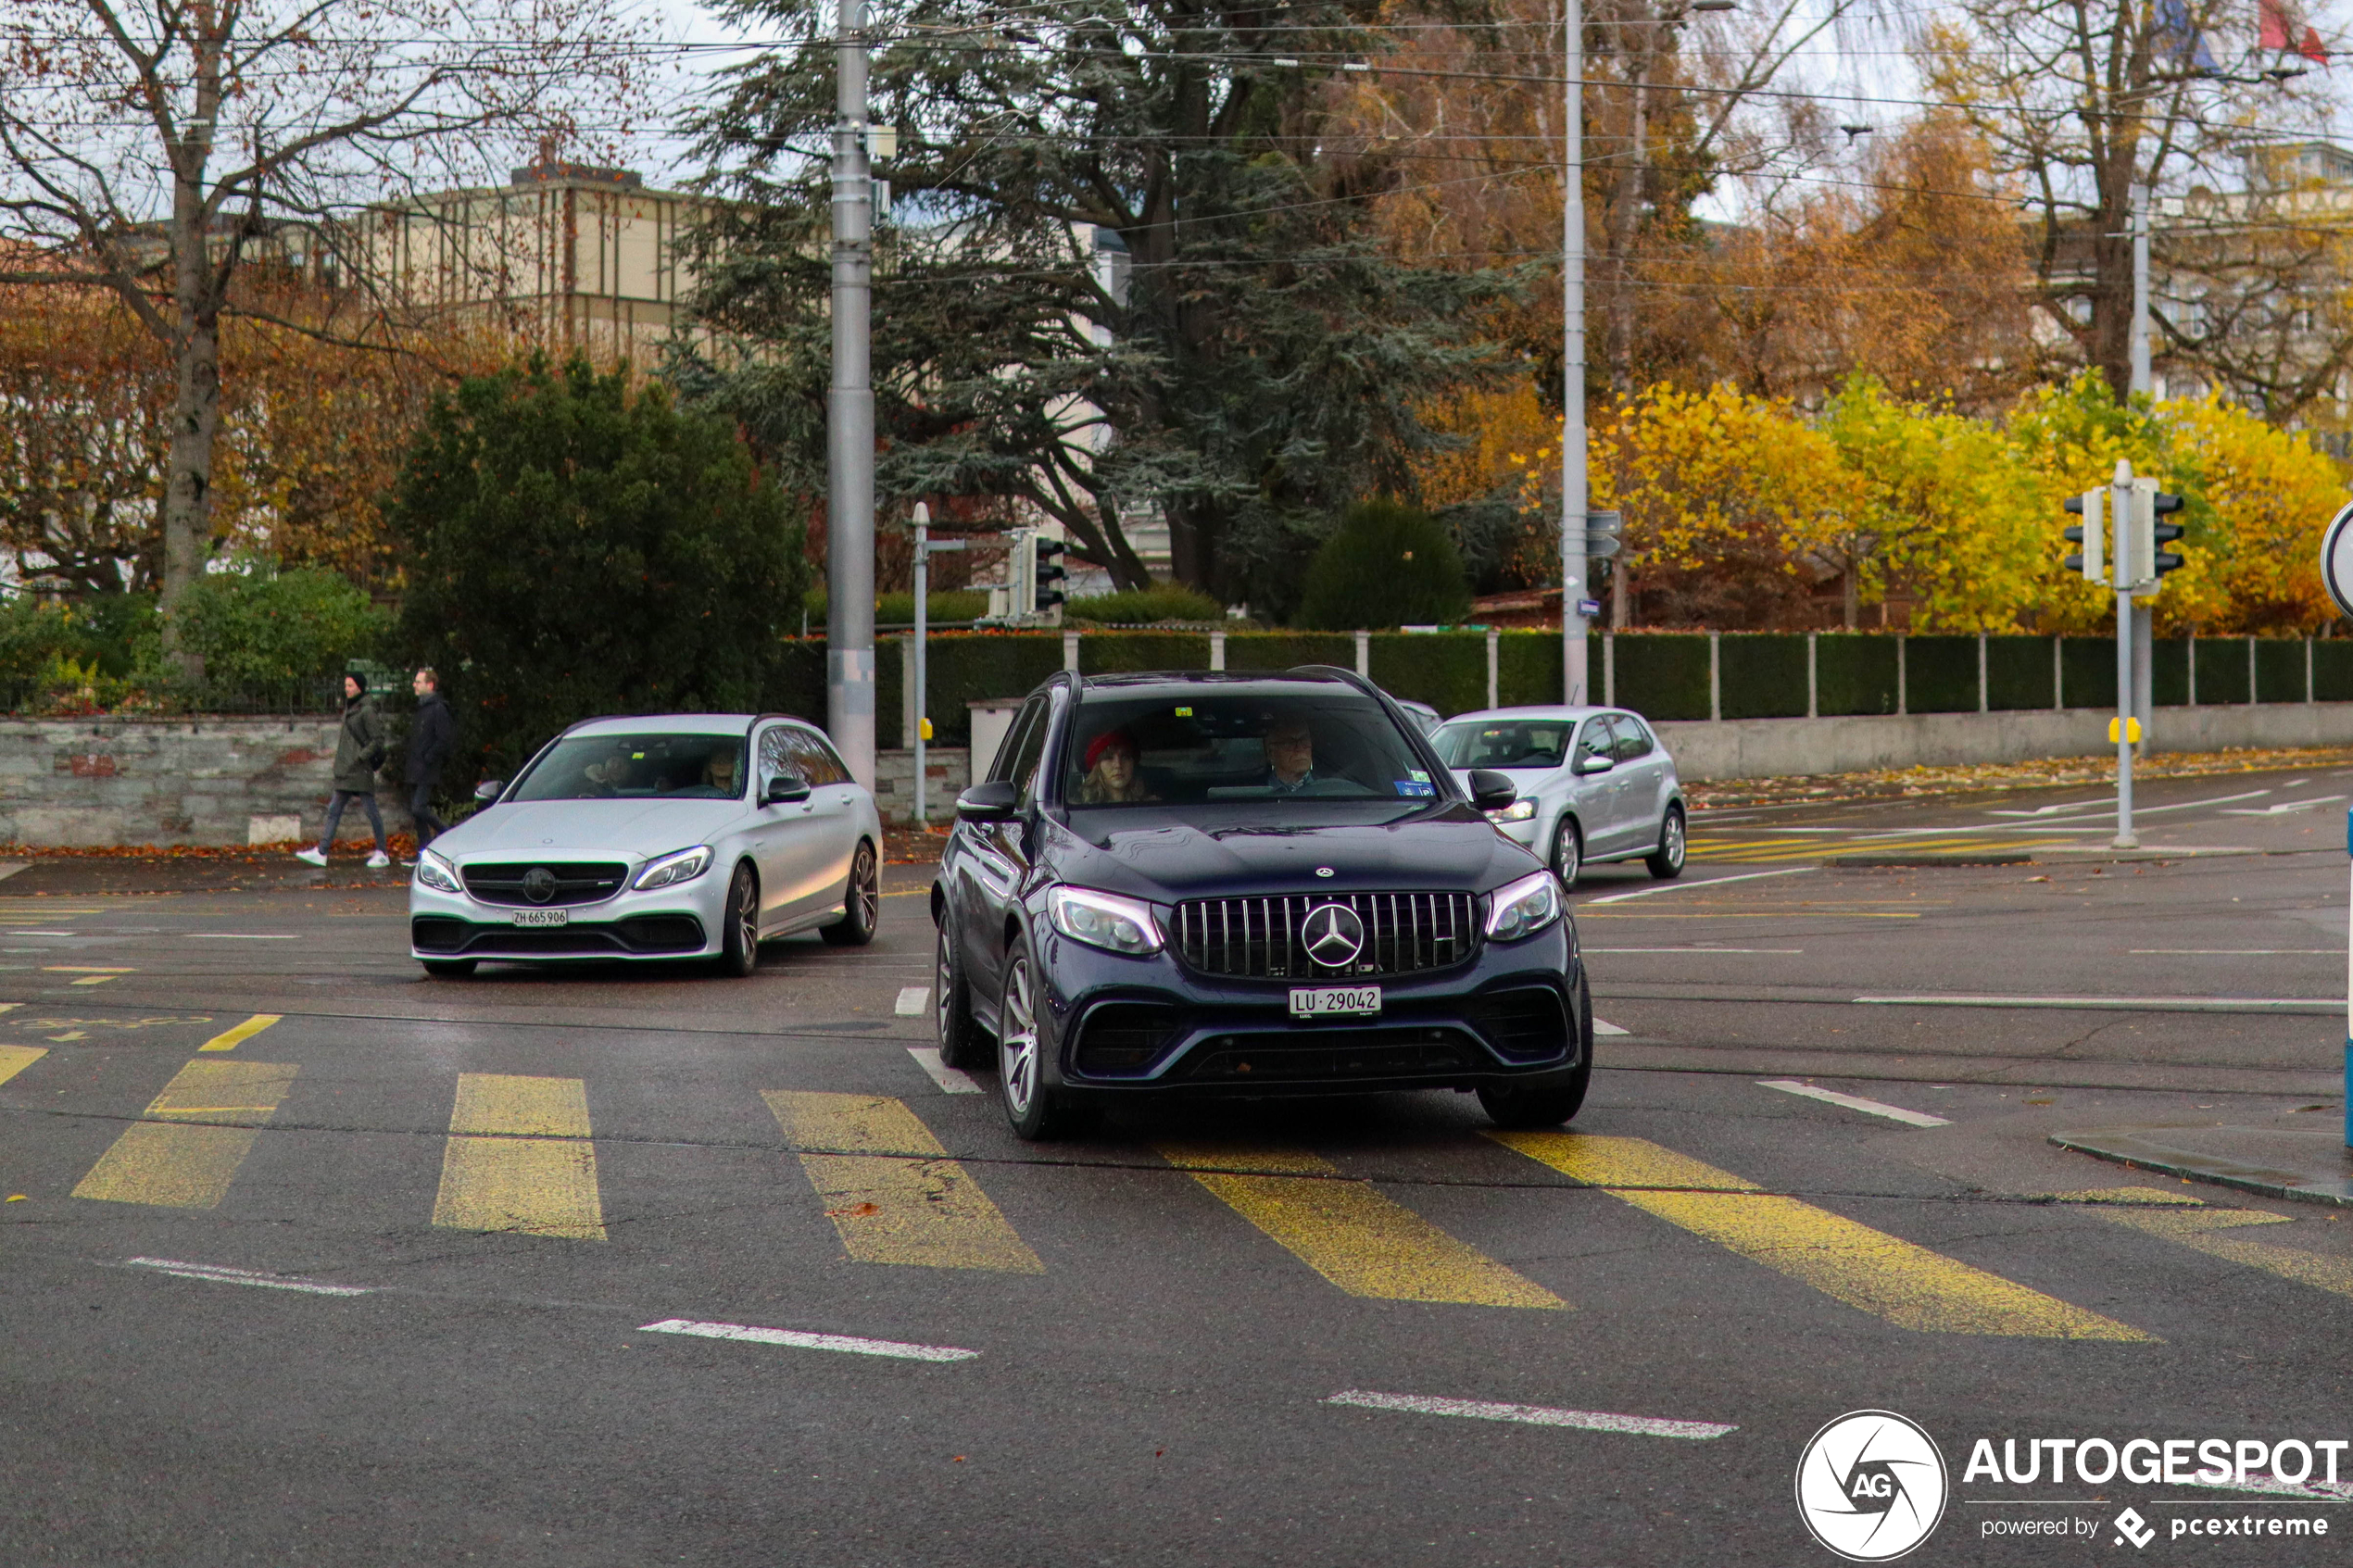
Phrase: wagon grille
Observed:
(1260, 938)
(566, 881)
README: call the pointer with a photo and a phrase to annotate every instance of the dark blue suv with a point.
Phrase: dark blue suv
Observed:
(1248, 884)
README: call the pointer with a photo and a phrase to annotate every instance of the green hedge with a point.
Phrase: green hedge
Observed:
(1528, 667)
(799, 687)
(2169, 670)
(2279, 670)
(1447, 669)
(2090, 675)
(1854, 672)
(1940, 674)
(2333, 669)
(1663, 674)
(1281, 650)
(2222, 672)
(2017, 674)
(962, 667)
(1761, 676)
(1113, 653)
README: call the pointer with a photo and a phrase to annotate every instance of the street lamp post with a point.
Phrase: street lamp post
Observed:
(850, 417)
(1573, 685)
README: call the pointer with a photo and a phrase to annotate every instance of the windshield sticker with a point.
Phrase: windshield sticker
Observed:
(1184, 713)
(1415, 786)
(1417, 775)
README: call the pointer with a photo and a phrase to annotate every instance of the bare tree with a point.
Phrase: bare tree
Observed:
(153, 147)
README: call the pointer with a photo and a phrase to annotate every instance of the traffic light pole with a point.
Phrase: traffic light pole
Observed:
(850, 418)
(2143, 382)
(2119, 508)
(1574, 684)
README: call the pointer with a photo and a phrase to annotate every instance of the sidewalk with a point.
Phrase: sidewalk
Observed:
(2301, 1156)
(269, 870)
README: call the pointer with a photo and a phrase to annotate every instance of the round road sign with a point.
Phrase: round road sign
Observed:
(2337, 561)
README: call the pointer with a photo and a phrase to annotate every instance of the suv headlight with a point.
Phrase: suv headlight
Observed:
(438, 873)
(668, 870)
(1524, 908)
(1101, 919)
(1518, 811)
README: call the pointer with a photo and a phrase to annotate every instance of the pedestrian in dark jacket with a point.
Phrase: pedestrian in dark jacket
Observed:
(359, 752)
(430, 741)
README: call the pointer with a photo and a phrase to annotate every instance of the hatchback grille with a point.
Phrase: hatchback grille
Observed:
(1260, 938)
(576, 882)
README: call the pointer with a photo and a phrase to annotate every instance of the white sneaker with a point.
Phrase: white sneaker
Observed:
(310, 855)
(379, 860)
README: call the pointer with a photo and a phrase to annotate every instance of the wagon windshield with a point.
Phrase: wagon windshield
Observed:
(638, 768)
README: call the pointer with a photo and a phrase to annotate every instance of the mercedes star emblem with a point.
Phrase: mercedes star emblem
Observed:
(1332, 935)
(538, 885)
(1323, 870)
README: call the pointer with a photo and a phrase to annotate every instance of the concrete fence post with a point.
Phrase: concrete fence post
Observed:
(909, 720)
(1902, 677)
(1494, 668)
(1070, 651)
(1812, 675)
(1217, 650)
(1609, 668)
(1984, 700)
(2058, 674)
(2253, 696)
(1715, 677)
(1364, 654)
(2308, 672)
(2192, 663)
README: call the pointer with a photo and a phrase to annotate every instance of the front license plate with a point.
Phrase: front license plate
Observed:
(1344, 1001)
(543, 917)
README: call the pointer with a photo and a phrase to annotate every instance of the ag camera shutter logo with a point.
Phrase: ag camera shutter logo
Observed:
(1871, 1486)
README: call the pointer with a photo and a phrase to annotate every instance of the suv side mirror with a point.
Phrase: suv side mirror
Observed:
(1491, 791)
(783, 790)
(997, 801)
(1594, 762)
(489, 790)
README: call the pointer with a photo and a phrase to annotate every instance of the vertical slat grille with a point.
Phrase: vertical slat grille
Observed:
(1259, 938)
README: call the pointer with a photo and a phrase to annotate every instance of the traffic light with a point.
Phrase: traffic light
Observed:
(1045, 574)
(2089, 533)
(2150, 559)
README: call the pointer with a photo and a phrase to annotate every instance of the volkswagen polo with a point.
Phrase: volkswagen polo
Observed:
(1229, 884)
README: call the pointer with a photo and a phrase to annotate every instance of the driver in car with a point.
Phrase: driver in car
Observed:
(1290, 756)
(608, 772)
(719, 773)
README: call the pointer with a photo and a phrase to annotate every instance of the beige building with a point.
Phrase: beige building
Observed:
(565, 255)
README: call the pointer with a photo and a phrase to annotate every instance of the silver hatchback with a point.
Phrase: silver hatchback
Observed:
(1596, 783)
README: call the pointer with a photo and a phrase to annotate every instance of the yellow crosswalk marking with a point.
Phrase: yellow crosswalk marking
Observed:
(892, 1194)
(196, 1135)
(2178, 1217)
(16, 1059)
(230, 1039)
(1908, 1285)
(518, 1159)
(1350, 1234)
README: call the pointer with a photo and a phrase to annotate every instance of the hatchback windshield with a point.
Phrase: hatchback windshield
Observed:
(1519, 743)
(1194, 748)
(637, 767)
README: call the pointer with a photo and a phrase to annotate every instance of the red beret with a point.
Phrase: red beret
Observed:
(1104, 742)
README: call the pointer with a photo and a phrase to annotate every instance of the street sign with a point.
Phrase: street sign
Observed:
(2336, 563)
(1589, 608)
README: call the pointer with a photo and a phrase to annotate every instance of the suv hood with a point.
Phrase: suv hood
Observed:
(1156, 856)
(587, 829)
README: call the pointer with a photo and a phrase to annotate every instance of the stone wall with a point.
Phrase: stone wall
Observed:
(94, 781)
(948, 768)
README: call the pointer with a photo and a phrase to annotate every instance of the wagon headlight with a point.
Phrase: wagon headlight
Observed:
(670, 870)
(438, 873)
(1099, 920)
(1524, 908)
(1518, 811)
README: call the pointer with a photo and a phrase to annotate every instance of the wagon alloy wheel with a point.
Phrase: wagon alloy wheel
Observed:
(861, 902)
(1030, 1106)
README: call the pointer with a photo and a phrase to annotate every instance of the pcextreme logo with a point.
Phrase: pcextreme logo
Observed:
(1871, 1486)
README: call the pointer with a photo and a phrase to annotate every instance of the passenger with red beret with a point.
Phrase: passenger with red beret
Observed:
(1111, 772)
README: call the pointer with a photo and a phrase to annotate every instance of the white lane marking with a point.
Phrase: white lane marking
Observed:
(1855, 1102)
(2050, 810)
(236, 936)
(1602, 1028)
(2120, 1004)
(1686, 886)
(1531, 1415)
(2234, 952)
(2282, 809)
(798, 1340)
(1692, 949)
(913, 1001)
(951, 1080)
(20, 931)
(219, 1275)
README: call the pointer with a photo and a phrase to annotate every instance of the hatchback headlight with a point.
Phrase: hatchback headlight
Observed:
(1524, 908)
(669, 871)
(1100, 920)
(438, 873)
(1518, 811)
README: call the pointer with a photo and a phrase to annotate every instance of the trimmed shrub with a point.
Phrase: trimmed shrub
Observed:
(1162, 601)
(2017, 672)
(1762, 676)
(2333, 669)
(1388, 565)
(1447, 669)
(973, 666)
(1940, 674)
(2089, 671)
(1528, 667)
(1280, 650)
(2221, 671)
(1854, 672)
(1108, 652)
(260, 630)
(1664, 674)
(2279, 670)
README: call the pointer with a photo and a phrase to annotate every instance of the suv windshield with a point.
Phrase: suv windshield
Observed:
(1519, 743)
(1193, 747)
(637, 767)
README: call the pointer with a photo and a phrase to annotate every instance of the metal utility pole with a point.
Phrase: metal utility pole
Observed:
(2128, 571)
(850, 426)
(2142, 385)
(1573, 685)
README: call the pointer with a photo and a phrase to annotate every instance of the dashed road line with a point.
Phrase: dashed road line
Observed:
(913, 1001)
(2317, 1006)
(2179, 1218)
(1531, 1415)
(895, 1197)
(194, 1135)
(1602, 1028)
(951, 1080)
(1855, 1102)
(230, 1039)
(16, 1059)
(214, 1275)
(518, 1159)
(1686, 886)
(798, 1340)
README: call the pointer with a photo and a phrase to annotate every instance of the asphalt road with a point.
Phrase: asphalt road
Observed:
(376, 1281)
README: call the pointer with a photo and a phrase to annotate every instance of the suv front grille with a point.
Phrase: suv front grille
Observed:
(1122, 1038)
(576, 882)
(1526, 1024)
(1261, 939)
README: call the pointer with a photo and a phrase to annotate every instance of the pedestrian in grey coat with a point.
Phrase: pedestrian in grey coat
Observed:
(359, 752)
